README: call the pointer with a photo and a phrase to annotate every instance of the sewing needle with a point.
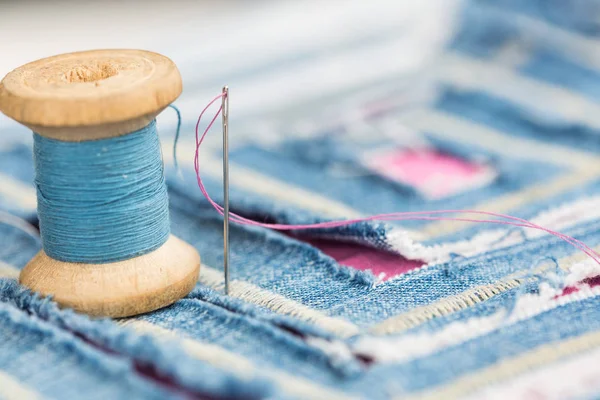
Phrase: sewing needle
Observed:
(225, 119)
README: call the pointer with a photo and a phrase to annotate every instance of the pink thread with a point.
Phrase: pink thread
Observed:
(397, 216)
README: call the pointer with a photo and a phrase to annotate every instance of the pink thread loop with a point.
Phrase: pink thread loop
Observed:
(396, 216)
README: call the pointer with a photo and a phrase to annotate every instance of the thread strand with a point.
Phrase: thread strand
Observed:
(396, 216)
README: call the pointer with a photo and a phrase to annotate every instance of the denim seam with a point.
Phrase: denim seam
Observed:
(220, 357)
(256, 313)
(246, 291)
(272, 327)
(432, 120)
(448, 305)
(107, 334)
(457, 332)
(432, 269)
(62, 337)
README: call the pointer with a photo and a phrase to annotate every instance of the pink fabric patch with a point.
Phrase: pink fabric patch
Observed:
(380, 262)
(434, 174)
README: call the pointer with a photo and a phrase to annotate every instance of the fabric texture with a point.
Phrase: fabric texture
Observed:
(508, 114)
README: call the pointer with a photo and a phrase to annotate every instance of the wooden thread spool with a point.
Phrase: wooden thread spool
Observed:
(94, 95)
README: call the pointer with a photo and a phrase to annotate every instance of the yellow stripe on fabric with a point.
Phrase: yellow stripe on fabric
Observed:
(461, 301)
(245, 178)
(583, 49)
(469, 73)
(577, 377)
(505, 203)
(278, 303)
(453, 127)
(17, 192)
(443, 307)
(237, 364)
(8, 271)
(12, 389)
(541, 356)
(217, 356)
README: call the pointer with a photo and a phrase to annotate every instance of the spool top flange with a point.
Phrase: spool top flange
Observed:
(90, 94)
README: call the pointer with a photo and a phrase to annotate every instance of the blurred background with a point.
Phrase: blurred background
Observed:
(280, 58)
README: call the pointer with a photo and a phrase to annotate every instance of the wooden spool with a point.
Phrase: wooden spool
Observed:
(94, 95)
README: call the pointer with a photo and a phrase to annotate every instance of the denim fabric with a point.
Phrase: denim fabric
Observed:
(296, 323)
(501, 114)
(561, 71)
(371, 194)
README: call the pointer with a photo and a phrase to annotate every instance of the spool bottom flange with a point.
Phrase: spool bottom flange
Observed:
(119, 289)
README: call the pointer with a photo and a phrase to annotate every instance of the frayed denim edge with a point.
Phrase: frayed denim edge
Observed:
(170, 360)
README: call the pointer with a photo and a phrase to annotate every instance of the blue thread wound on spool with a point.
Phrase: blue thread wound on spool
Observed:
(101, 201)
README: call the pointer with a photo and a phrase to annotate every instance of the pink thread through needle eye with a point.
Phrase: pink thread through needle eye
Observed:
(396, 216)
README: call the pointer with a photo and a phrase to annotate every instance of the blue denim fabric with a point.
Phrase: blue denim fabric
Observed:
(561, 71)
(69, 356)
(290, 352)
(507, 117)
(579, 15)
(371, 194)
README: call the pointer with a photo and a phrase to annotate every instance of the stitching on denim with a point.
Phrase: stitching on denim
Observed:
(432, 269)
(259, 314)
(465, 299)
(507, 369)
(340, 354)
(404, 348)
(448, 305)
(248, 292)
(223, 358)
(142, 348)
(12, 389)
(277, 327)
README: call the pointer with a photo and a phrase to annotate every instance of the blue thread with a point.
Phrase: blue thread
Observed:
(101, 201)
(176, 137)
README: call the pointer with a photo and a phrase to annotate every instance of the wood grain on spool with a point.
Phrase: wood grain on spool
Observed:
(117, 289)
(93, 95)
